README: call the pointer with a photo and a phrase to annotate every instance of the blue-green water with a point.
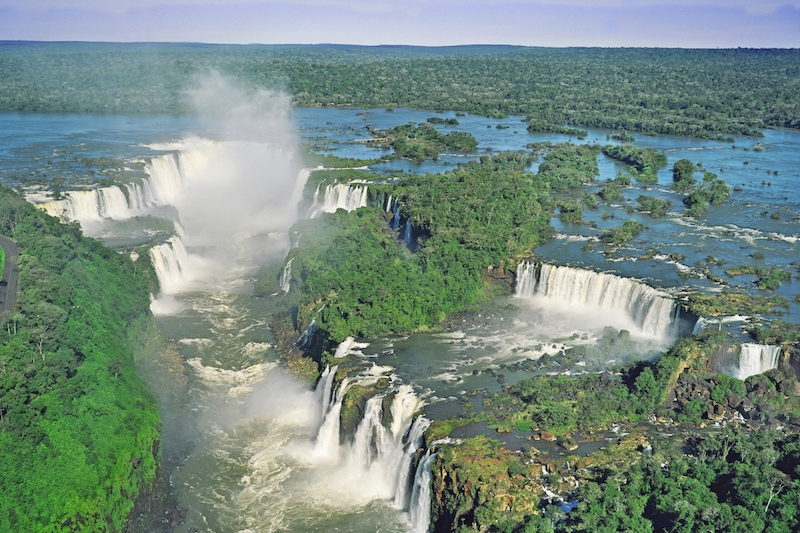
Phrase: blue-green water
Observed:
(252, 429)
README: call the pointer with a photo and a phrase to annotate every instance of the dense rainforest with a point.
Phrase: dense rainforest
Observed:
(686, 92)
(354, 278)
(79, 431)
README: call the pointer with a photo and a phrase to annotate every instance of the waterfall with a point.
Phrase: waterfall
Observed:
(170, 261)
(325, 387)
(90, 206)
(308, 334)
(286, 276)
(420, 507)
(349, 346)
(327, 445)
(369, 430)
(414, 442)
(393, 207)
(312, 211)
(407, 234)
(653, 311)
(756, 359)
(341, 196)
(380, 454)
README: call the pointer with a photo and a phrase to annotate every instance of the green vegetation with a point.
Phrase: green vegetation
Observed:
(567, 166)
(356, 278)
(622, 234)
(712, 191)
(775, 332)
(766, 278)
(79, 432)
(729, 482)
(644, 162)
(624, 137)
(655, 207)
(541, 126)
(682, 175)
(423, 141)
(440, 120)
(730, 302)
(672, 91)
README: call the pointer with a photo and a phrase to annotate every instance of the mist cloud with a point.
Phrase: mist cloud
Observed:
(246, 181)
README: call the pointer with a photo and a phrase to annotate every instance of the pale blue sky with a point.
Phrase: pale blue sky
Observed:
(673, 23)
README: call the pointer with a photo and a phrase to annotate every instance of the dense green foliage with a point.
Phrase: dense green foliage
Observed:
(675, 91)
(541, 126)
(78, 429)
(644, 162)
(730, 482)
(423, 141)
(656, 207)
(712, 191)
(766, 278)
(567, 166)
(564, 404)
(356, 277)
(682, 175)
(730, 302)
(622, 234)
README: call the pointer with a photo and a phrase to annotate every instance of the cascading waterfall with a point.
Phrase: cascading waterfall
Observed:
(170, 261)
(407, 234)
(325, 387)
(756, 359)
(414, 443)
(90, 206)
(383, 452)
(653, 311)
(341, 196)
(420, 507)
(286, 276)
(327, 444)
(393, 207)
(312, 211)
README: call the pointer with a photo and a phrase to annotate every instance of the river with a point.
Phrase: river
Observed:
(249, 459)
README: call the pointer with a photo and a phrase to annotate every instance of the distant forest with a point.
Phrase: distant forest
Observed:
(702, 93)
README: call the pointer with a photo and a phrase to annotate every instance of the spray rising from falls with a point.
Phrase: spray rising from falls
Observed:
(756, 359)
(651, 310)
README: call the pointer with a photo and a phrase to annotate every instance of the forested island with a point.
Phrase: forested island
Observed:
(621, 434)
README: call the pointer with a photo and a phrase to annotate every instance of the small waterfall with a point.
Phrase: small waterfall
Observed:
(286, 276)
(369, 430)
(414, 442)
(325, 387)
(349, 346)
(652, 310)
(342, 196)
(90, 206)
(756, 359)
(327, 446)
(170, 261)
(308, 334)
(393, 207)
(312, 211)
(407, 234)
(420, 507)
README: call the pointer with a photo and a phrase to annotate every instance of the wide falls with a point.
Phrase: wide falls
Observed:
(618, 299)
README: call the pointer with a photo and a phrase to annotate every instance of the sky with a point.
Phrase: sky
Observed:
(613, 23)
